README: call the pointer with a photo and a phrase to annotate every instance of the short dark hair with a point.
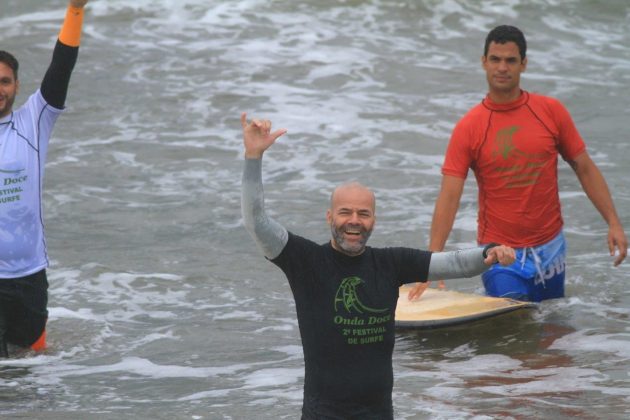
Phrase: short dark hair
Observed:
(506, 33)
(8, 59)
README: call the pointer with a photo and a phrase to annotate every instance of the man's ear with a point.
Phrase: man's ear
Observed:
(328, 216)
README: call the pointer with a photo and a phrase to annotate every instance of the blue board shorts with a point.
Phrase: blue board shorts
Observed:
(537, 274)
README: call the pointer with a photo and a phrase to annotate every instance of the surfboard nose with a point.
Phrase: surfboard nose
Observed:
(442, 308)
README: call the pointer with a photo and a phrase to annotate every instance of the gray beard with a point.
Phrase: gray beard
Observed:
(351, 250)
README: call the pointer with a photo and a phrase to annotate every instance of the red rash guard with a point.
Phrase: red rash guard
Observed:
(513, 151)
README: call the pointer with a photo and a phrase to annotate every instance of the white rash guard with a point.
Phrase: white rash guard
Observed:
(24, 137)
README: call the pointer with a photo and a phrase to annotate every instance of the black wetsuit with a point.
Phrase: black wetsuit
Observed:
(345, 308)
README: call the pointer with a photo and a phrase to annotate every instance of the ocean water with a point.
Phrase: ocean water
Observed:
(161, 306)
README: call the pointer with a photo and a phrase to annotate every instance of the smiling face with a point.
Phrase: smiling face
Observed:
(9, 86)
(503, 66)
(351, 218)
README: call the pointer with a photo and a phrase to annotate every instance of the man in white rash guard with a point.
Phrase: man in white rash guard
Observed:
(345, 292)
(24, 136)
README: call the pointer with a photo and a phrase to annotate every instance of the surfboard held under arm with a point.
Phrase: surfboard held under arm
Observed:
(442, 308)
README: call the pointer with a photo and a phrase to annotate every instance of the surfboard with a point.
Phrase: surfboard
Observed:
(441, 308)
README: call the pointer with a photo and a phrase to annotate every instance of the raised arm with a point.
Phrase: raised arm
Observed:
(270, 236)
(54, 86)
(596, 189)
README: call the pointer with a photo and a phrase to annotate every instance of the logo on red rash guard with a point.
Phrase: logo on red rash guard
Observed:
(516, 168)
(505, 141)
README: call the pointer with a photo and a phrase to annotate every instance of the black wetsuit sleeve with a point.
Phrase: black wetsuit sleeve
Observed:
(57, 78)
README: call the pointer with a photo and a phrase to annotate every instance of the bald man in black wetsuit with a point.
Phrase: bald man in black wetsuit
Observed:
(345, 292)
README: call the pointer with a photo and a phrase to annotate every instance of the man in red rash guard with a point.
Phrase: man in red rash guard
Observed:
(511, 141)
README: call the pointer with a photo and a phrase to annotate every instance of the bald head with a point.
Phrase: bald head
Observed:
(354, 190)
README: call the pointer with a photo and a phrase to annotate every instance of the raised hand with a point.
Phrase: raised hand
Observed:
(257, 136)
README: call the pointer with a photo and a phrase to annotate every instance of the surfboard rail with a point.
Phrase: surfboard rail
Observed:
(441, 308)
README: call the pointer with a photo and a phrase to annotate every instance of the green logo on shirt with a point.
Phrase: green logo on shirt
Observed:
(505, 141)
(347, 297)
(360, 329)
(525, 168)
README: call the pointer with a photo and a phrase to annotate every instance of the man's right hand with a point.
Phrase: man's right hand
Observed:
(257, 136)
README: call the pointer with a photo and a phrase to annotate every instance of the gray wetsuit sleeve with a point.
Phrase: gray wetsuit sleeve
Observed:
(270, 236)
(456, 264)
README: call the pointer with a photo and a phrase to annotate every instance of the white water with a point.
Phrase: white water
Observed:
(161, 307)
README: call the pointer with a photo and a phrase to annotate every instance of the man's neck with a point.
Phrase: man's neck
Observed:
(6, 117)
(500, 97)
(337, 248)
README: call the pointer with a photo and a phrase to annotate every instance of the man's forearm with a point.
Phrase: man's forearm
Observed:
(597, 191)
(55, 84)
(269, 235)
(57, 78)
(456, 264)
(446, 207)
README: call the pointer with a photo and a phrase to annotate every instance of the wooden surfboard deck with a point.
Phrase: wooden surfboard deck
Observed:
(441, 308)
